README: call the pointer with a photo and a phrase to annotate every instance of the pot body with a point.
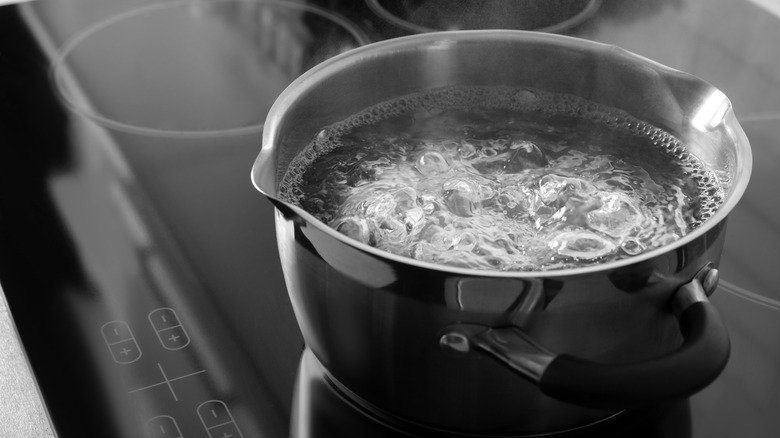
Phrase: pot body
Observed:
(376, 324)
(376, 320)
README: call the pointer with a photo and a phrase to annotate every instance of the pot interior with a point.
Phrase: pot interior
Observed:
(692, 110)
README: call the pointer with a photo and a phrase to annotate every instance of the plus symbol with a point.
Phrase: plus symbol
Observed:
(174, 338)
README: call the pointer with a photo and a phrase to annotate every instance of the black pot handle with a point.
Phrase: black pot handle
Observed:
(681, 373)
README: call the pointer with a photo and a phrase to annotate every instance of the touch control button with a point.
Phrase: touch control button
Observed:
(224, 431)
(121, 342)
(163, 426)
(125, 352)
(169, 329)
(116, 331)
(217, 420)
(173, 338)
(163, 318)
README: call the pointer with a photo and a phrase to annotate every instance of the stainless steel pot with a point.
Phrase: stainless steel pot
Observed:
(495, 353)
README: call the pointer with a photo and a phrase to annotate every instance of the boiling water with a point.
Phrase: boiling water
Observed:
(502, 179)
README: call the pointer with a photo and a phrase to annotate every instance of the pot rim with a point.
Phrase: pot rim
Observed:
(264, 167)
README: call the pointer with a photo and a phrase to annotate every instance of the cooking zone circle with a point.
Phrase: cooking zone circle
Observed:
(180, 51)
(420, 16)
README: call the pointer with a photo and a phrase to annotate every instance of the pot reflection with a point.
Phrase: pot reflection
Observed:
(320, 410)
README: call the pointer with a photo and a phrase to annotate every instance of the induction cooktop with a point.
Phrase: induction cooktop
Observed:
(139, 265)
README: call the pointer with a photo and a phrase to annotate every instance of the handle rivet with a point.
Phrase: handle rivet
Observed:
(710, 281)
(455, 341)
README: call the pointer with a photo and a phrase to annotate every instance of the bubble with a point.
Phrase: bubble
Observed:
(437, 237)
(515, 199)
(632, 247)
(616, 217)
(466, 241)
(424, 251)
(451, 147)
(525, 97)
(407, 210)
(485, 191)
(582, 245)
(560, 190)
(390, 230)
(374, 207)
(431, 163)
(488, 152)
(520, 155)
(428, 204)
(355, 228)
(461, 196)
(322, 136)
(413, 218)
(494, 262)
(550, 187)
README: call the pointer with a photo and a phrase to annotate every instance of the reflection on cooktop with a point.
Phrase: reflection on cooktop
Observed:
(438, 15)
(320, 410)
(753, 238)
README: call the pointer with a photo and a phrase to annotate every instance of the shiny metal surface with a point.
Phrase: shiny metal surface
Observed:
(710, 280)
(512, 347)
(687, 295)
(374, 320)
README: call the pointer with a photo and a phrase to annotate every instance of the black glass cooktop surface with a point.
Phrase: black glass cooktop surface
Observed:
(140, 266)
